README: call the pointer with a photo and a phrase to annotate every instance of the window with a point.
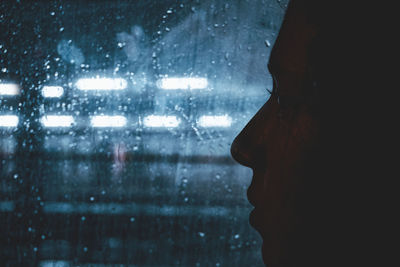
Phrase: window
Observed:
(116, 119)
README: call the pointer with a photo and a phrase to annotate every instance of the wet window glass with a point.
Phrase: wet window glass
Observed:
(116, 119)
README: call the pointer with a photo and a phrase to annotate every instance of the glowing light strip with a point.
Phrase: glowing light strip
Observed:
(9, 89)
(108, 121)
(9, 121)
(161, 121)
(52, 91)
(182, 83)
(57, 121)
(215, 121)
(101, 84)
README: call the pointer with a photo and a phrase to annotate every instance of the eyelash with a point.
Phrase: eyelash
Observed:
(273, 91)
(269, 91)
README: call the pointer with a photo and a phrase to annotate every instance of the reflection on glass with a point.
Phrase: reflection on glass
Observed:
(57, 121)
(101, 84)
(54, 263)
(108, 121)
(52, 91)
(9, 89)
(137, 103)
(161, 121)
(9, 121)
(215, 121)
(182, 83)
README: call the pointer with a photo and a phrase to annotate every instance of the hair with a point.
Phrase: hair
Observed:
(341, 205)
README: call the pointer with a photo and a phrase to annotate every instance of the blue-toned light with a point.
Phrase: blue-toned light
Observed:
(161, 121)
(9, 121)
(182, 83)
(215, 121)
(108, 121)
(57, 121)
(9, 89)
(101, 84)
(52, 91)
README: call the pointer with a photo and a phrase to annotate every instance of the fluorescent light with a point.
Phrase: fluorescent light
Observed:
(215, 121)
(161, 121)
(57, 121)
(108, 121)
(54, 263)
(9, 89)
(52, 91)
(182, 83)
(9, 121)
(101, 84)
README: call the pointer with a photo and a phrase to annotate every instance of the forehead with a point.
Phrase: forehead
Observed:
(290, 51)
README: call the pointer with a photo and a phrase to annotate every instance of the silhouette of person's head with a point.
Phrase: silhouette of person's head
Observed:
(302, 144)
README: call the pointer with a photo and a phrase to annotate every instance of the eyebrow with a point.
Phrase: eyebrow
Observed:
(274, 67)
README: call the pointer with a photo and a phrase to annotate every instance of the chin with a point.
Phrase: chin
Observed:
(276, 254)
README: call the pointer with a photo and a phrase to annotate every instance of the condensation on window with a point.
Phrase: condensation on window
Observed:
(116, 119)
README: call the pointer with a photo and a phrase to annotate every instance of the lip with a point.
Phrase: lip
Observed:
(251, 191)
(256, 216)
(252, 219)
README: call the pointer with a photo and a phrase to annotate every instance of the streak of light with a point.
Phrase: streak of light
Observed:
(215, 121)
(9, 89)
(182, 83)
(108, 121)
(57, 121)
(52, 91)
(161, 121)
(101, 84)
(9, 121)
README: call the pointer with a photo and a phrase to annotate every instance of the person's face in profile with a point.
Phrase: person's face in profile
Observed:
(276, 142)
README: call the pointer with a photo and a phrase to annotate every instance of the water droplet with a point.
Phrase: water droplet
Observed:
(15, 176)
(201, 234)
(132, 219)
(91, 198)
(83, 218)
(237, 236)
(61, 29)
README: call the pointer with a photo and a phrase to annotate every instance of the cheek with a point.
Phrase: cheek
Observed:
(291, 142)
(284, 175)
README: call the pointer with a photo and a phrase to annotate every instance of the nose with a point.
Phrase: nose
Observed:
(248, 148)
(240, 152)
